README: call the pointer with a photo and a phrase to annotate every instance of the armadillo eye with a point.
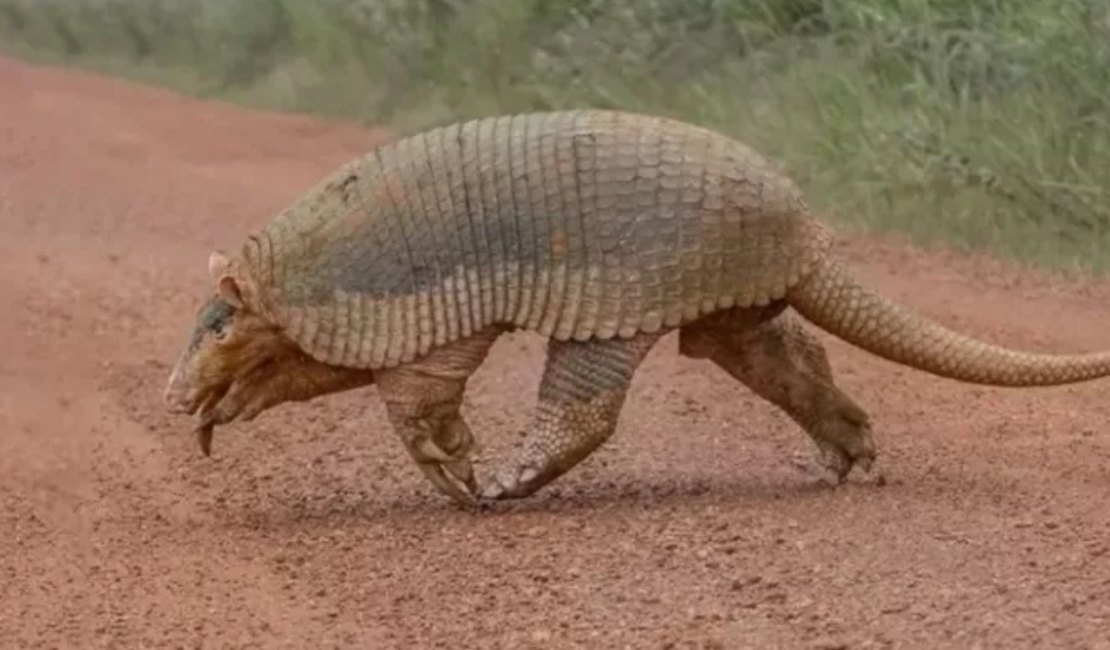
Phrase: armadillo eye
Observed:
(220, 330)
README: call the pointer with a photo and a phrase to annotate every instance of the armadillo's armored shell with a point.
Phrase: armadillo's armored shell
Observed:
(573, 224)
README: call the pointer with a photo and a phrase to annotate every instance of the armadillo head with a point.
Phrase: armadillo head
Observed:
(236, 364)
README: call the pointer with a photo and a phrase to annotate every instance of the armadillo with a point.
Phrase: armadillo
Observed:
(599, 230)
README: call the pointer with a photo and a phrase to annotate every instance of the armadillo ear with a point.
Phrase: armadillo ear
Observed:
(217, 264)
(228, 289)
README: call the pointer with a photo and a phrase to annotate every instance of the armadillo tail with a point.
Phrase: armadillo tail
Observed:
(834, 301)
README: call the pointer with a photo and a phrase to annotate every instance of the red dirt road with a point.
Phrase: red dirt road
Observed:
(310, 528)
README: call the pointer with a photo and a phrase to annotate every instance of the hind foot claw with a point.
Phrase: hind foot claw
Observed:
(835, 460)
(512, 483)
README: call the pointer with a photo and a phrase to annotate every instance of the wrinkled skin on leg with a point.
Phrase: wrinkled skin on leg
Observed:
(772, 352)
(423, 400)
(581, 394)
(237, 364)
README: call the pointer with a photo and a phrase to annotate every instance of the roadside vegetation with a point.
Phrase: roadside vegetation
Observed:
(980, 123)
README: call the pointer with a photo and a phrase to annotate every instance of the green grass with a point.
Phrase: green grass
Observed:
(979, 123)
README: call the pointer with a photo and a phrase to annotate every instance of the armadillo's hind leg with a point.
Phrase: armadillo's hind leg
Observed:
(423, 400)
(773, 353)
(581, 393)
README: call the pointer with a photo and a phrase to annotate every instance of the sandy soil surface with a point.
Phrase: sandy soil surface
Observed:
(309, 528)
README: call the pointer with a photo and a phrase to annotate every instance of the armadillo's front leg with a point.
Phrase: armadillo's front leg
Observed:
(423, 400)
(581, 394)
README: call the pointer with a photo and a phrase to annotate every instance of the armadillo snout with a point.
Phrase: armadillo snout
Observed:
(174, 403)
(175, 397)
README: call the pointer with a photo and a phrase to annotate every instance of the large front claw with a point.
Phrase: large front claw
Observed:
(445, 460)
(451, 478)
